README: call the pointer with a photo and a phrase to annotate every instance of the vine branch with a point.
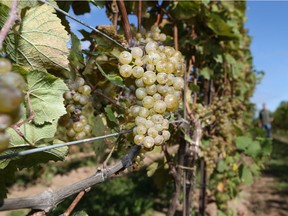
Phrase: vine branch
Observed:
(13, 16)
(49, 199)
(126, 24)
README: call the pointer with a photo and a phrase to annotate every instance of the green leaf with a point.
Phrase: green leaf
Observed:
(115, 79)
(221, 166)
(76, 56)
(101, 128)
(110, 114)
(41, 42)
(206, 73)
(242, 142)
(185, 9)
(46, 92)
(217, 24)
(246, 174)
(254, 149)
(80, 7)
(33, 132)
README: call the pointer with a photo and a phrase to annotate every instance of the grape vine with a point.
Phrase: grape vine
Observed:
(180, 80)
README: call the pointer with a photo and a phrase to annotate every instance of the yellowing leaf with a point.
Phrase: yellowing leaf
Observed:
(41, 43)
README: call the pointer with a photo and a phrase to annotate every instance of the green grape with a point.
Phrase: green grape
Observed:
(139, 83)
(159, 106)
(71, 133)
(140, 93)
(148, 102)
(149, 77)
(12, 79)
(166, 135)
(144, 112)
(125, 57)
(4, 141)
(137, 72)
(171, 102)
(152, 132)
(151, 89)
(159, 140)
(162, 78)
(136, 52)
(138, 139)
(5, 122)
(85, 90)
(79, 81)
(76, 97)
(178, 83)
(5, 66)
(87, 130)
(10, 99)
(78, 126)
(141, 129)
(148, 142)
(83, 100)
(70, 108)
(68, 95)
(125, 70)
(81, 135)
(151, 46)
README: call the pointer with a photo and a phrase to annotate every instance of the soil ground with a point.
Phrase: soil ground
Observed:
(268, 196)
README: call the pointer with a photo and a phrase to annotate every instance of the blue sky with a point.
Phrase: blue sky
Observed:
(267, 24)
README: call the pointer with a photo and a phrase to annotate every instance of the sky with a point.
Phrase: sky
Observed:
(267, 24)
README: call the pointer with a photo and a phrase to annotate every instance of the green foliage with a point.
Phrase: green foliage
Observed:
(280, 116)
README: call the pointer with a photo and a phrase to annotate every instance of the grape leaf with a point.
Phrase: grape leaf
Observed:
(33, 132)
(46, 96)
(41, 42)
(76, 56)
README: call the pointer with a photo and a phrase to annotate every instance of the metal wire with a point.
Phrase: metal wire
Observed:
(45, 148)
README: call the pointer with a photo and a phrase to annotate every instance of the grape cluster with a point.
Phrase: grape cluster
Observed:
(11, 96)
(223, 115)
(76, 98)
(157, 71)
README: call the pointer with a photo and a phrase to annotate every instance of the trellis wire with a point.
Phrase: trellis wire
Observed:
(82, 23)
(45, 148)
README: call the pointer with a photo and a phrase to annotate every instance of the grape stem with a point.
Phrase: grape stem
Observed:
(84, 24)
(139, 15)
(75, 202)
(126, 24)
(13, 17)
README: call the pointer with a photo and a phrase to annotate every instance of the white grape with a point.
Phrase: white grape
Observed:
(148, 102)
(136, 52)
(148, 142)
(125, 70)
(125, 57)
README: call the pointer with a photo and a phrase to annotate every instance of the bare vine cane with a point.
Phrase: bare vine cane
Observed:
(13, 17)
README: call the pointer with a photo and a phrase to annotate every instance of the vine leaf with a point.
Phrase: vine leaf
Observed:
(46, 96)
(41, 42)
(33, 132)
